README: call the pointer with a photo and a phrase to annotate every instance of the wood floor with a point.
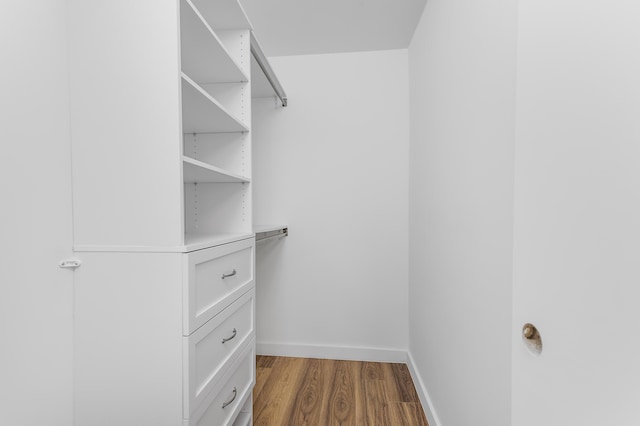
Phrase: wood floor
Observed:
(318, 392)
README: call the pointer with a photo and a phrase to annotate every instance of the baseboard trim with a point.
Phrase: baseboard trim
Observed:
(347, 353)
(425, 400)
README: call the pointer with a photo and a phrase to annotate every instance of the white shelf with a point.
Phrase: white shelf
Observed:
(194, 242)
(201, 113)
(223, 14)
(195, 171)
(204, 58)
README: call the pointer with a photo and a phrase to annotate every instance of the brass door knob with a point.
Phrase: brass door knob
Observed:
(531, 338)
(529, 331)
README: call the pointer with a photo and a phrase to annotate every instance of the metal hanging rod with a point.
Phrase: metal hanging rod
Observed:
(261, 59)
(267, 233)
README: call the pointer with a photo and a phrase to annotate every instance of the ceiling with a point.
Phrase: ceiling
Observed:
(302, 27)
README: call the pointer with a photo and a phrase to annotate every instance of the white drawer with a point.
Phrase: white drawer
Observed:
(213, 346)
(213, 278)
(222, 406)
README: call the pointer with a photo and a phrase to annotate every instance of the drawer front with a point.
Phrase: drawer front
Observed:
(223, 405)
(214, 277)
(213, 346)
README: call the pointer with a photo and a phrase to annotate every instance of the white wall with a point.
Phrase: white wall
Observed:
(334, 167)
(462, 71)
(35, 218)
(577, 215)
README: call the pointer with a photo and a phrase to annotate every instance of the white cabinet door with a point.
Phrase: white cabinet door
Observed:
(577, 213)
(35, 217)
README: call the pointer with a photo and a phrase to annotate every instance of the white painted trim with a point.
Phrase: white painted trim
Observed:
(332, 352)
(425, 400)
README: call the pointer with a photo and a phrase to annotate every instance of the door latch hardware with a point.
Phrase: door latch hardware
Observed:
(70, 263)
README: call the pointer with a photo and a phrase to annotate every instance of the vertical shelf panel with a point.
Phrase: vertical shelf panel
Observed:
(125, 124)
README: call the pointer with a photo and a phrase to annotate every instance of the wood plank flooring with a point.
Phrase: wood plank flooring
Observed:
(320, 392)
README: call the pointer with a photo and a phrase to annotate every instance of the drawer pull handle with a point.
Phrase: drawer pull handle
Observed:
(235, 393)
(226, 339)
(229, 275)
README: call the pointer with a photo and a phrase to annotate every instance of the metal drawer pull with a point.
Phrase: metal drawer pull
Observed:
(229, 275)
(235, 393)
(226, 339)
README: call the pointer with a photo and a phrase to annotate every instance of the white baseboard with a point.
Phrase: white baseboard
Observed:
(425, 400)
(332, 352)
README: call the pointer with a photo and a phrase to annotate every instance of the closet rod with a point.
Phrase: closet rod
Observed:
(269, 234)
(258, 54)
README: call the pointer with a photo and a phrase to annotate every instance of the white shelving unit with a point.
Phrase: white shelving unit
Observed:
(170, 113)
(216, 112)
(162, 212)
